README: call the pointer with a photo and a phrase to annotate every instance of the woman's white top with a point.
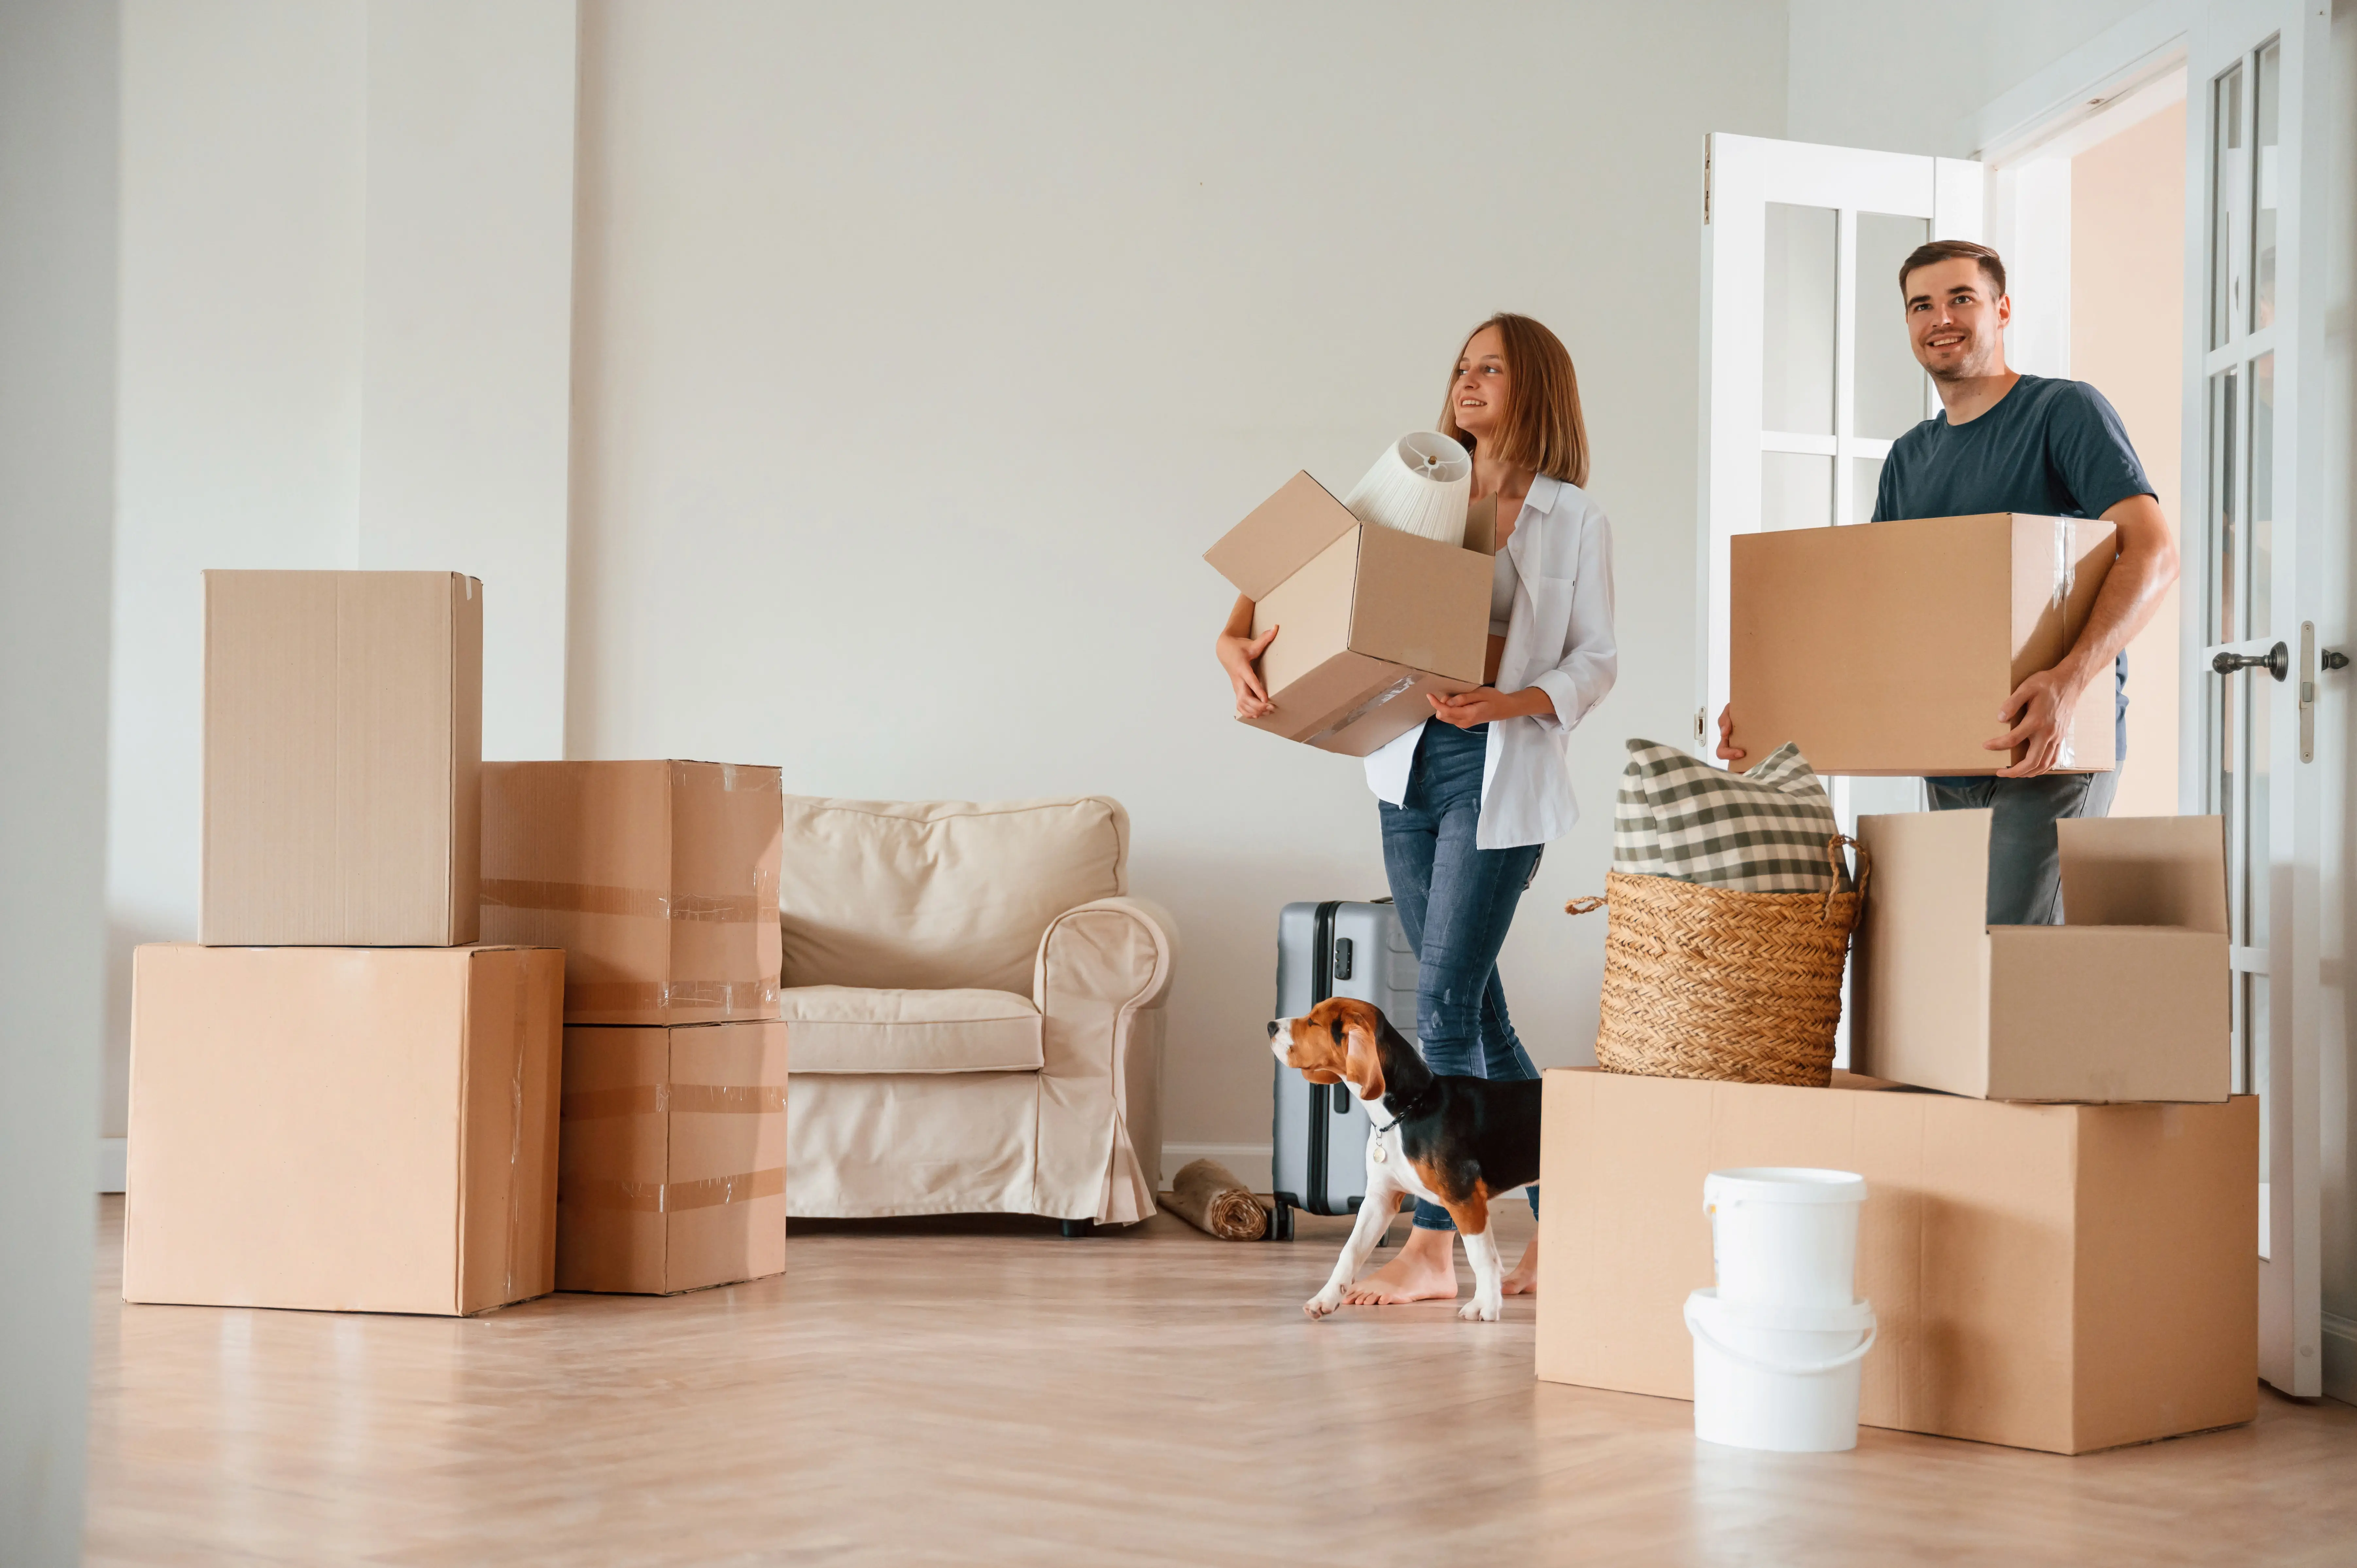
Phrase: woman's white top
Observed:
(1501, 593)
(1558, 638)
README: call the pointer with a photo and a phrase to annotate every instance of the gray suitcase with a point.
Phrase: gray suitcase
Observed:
(1318, 1153)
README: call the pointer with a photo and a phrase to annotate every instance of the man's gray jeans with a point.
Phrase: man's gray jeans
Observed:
(2025, 882)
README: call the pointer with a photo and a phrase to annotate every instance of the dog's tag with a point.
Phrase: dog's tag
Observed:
(1382, 1152)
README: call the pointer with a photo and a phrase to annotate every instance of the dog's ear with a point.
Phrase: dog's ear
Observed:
(1364, 1065)
(1320, 1074)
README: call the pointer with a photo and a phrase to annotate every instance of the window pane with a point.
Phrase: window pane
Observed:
(1795, 491)
(2227, 178)
(2260, 574)
(2263, 208)
(1890, 384)
(1797, 391)
(1864, 481)
(2225, 541)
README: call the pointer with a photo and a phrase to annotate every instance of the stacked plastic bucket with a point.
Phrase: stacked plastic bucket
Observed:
(1778, 1343)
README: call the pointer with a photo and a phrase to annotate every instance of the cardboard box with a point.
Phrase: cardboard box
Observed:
(2063, 1277)
(672, 1169)
(1890, 648)
(2128, 1001)
(658, 879)
(1374, 619)
(349, 1129)
(343, 732)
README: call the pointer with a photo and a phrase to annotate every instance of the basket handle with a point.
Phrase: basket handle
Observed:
(1588, 906)
(1865, 870)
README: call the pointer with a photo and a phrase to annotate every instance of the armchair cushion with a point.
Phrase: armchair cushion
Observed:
(938, 894)
(846, 1028)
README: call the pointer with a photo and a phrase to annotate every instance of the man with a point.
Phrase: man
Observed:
(2006, 441)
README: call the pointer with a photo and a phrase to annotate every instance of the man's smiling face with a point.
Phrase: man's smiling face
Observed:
(1955, 321)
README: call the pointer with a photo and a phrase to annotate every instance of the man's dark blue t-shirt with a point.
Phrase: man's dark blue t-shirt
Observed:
(2049, 449)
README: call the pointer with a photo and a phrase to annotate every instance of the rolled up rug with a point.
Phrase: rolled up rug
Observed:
(1207, 1195)
(1420, 485)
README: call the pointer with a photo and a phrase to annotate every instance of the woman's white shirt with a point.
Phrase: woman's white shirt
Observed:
(1560, 640)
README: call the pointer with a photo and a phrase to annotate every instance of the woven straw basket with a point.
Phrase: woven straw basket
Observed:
(1704, 981)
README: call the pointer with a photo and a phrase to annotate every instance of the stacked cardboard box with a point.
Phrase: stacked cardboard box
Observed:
(341, 1101)
(660, 880)
(2060, 1231)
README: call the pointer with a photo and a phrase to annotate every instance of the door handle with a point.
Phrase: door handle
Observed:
(2275, 662)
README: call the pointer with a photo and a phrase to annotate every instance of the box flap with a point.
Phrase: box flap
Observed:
(1278, 535)
(2096, 1014)
(2145, 871)
(1481, 526)
(1921, 984)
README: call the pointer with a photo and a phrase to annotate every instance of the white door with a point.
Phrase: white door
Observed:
(1807, 373)
(2256, 85)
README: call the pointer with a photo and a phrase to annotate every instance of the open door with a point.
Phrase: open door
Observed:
(1807, 375)
(2255, 446)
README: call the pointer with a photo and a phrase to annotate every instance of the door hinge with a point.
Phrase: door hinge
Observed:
(1705, 180)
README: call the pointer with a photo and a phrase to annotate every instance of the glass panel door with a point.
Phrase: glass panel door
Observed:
(2254, 63)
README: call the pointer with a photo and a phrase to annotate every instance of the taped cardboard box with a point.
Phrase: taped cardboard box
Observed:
(671, 1170)
(1372, 619)
(347, 1129)
(343, 736)
(1890, 648)
(2127, 1001)
(658, 879)
(2063, 1277)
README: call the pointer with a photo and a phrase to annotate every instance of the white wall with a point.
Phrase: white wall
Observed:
(345, 314)
(915, 368)
(57, 143)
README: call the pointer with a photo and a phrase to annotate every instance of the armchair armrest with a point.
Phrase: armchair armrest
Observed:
(1100, 982)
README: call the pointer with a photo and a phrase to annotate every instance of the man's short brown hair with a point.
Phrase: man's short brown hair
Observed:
(1992, 265)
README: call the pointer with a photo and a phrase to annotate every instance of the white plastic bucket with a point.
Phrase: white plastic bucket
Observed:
(1779, 1378)
(1784, 1236)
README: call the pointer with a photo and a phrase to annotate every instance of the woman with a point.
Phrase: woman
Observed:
(1471, 796)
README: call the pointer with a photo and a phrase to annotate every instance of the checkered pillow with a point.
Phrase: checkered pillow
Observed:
(1761, 832)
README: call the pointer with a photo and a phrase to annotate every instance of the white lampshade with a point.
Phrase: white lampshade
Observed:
(1420, 485)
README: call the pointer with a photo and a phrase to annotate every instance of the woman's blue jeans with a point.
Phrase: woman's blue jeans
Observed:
(1456, 901)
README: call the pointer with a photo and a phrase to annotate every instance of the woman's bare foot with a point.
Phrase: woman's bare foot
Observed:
(1425, 1270)
(1524, 1279)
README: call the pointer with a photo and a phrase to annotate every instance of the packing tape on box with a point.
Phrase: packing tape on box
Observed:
(1382, 695)
(735, 778)
(596, 898)
(741, 997)
(657, 1098)
(671, 1197)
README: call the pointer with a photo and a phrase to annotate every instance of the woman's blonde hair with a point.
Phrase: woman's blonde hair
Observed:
(1540, 426)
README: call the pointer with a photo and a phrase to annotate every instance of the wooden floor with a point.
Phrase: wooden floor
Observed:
(986, 1392)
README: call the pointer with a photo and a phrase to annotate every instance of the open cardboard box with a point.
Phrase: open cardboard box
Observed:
(1890, 648)
(1374, 619)
(2127, 1001)
(2063, 1277)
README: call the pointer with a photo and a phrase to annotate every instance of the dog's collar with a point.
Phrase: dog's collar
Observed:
(1413, 1108)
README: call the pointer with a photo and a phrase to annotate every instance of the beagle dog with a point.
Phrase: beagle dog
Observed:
(1456, 1142)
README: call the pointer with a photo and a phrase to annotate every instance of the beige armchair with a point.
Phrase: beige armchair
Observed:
(974, 1009)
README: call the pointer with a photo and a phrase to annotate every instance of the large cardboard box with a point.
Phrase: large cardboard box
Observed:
(2063, 1277)
(1372, 619)
(658, 879)
(343, 732)
(1890, 648)
(672, 1169)
(2127, 1001)
(351, 1129)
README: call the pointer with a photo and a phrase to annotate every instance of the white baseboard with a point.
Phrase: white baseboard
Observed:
(2340, 1357)
(112, 1162)
(1249, 1161)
